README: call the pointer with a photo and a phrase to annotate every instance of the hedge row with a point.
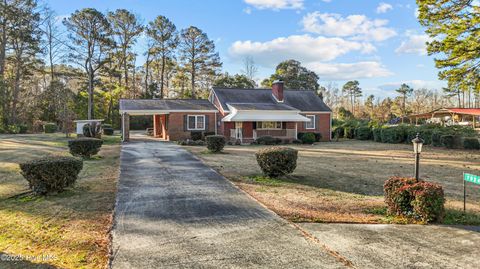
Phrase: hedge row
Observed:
(435, 135)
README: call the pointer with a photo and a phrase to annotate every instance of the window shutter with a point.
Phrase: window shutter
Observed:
(184, 123)
(254, 125)
(284, 125)
(206, 122)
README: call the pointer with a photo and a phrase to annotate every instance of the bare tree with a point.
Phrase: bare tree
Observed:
(250, 69)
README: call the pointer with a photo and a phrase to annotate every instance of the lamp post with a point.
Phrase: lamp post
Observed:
(417, 149)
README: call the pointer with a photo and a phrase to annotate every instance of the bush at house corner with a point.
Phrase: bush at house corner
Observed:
(277, 161)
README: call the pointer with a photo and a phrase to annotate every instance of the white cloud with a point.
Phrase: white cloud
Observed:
(276, 4)
(248, 10)
(358, 27)
(414, 44)
(415, 84)
(349, 71)
(384, 7)
(304, 48)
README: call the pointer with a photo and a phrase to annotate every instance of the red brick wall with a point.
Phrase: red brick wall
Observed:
(322, 125)
(175, 127)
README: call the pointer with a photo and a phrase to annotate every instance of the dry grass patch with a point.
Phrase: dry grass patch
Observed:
(343, 181)
(73, 226)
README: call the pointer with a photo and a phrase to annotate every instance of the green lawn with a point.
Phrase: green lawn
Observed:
(70, 229)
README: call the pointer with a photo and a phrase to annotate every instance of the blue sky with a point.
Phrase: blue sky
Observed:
(379, 43)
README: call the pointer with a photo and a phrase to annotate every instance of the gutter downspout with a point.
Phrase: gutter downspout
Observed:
(216, 123)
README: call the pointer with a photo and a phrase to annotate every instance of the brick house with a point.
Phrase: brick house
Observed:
(238, 114)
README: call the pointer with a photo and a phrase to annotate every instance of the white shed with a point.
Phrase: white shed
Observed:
(81, 123)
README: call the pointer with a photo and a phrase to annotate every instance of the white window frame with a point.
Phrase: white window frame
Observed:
(196, 123)
(260, 123)
(311, 121)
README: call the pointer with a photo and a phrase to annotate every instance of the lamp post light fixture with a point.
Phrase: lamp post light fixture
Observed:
(417, 149)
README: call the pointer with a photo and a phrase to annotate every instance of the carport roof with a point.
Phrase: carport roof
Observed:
(164, 105)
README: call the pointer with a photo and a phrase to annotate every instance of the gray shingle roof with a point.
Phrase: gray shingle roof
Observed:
(166, 104)
(261, 106)
(299, 99)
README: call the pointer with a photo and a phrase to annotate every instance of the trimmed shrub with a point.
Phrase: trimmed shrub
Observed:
(108, 131)
(106, 125)
(277, 161)
(398, 202)
(85, 147)
(394, 134)
(92, 129)
(377, 134)
(363, 133)
(423, 201)
(437, 138)
(49, 128)
(318, 137)
(215, 143)
(471, 143)
(308, 138)
(448, 141)
(196, 136)
(51, 174)
(268, 140)
(297, 141)
(428, 202)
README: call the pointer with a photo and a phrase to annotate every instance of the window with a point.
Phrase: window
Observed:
(311, 123)
(196, 122)
(269, 125)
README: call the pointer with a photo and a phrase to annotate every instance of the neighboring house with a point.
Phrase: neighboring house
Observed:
(238, 114)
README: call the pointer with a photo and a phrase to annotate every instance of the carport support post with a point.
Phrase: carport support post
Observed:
(125, 127)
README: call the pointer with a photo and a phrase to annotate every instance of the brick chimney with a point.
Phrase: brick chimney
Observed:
(277, 90)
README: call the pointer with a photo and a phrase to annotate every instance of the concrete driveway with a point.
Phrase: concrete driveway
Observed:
(401, 246)
(173, 211)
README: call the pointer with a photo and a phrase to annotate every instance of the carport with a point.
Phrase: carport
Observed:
(169, 115)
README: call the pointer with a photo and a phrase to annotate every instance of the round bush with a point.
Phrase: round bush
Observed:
(447, 141)
(49, 128)
(297, 141)
(398, 202)
(108, 131)
(471, 143)
(215, 143)
(422, 201)
(308, 138)
(277, 161)
(428, 202)
(85, 146)
(51, 174)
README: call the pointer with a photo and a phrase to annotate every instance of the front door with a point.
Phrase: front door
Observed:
(238, 130)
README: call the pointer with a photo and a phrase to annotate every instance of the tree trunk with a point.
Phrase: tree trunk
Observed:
(193, 80)
(16, 91)
(90, 92)
(125, 67)
(162, 76)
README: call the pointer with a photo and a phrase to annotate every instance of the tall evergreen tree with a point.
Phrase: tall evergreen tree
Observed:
(454, 29)
(405, 91)
(294, 75)
(165, 40)
(353, 90)
(90, 34)
(198, 56)
(126, 28)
